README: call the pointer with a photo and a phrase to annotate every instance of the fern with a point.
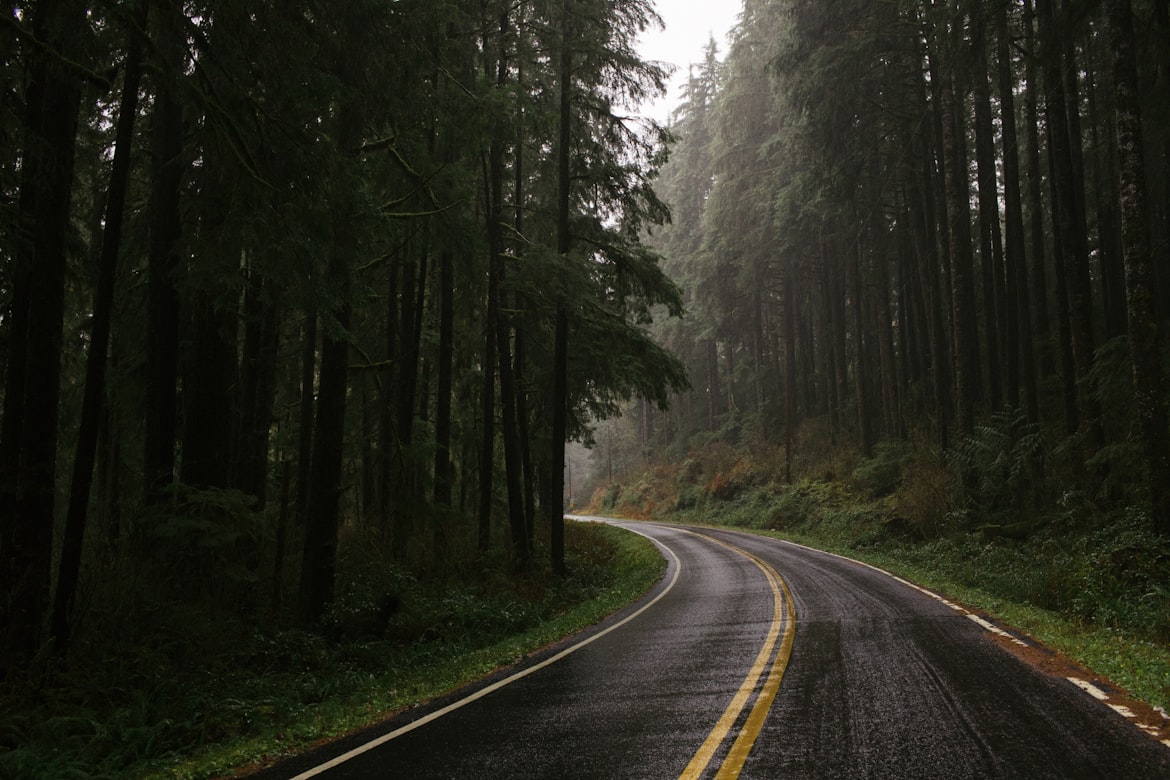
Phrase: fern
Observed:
(999, 464)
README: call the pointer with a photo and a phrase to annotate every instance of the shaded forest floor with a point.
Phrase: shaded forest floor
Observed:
(183, 692)
(1088, 580)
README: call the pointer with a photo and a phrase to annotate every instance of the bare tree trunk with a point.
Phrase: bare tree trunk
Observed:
(713, 386)
(1021, 363)
(307, 413)
(162, 346)
(1149, 381)
(789, 373)
(962, 285)
(414, 282)
(69, 568)
(487, 454)
(857, 325)
(1041, 317)
(53, 98)
(560, 385)
(319, 563)
(990, 238)
(1069, 220)
(442, 480)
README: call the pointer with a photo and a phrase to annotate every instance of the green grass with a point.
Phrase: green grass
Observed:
(206, 697)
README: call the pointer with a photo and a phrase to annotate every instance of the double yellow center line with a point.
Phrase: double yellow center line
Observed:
(772, 658)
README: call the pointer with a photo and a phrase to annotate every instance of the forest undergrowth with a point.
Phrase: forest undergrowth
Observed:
(985, 525)
(195, 693)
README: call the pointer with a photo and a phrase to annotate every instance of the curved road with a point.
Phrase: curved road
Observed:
(757, 658)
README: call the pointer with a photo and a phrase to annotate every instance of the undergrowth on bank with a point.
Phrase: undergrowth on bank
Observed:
(983, 525)
(197, 696)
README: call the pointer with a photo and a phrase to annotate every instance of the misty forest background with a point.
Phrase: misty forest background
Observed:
(300, 303)
(924, 250)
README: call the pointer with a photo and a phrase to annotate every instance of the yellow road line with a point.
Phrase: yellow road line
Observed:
(737, 756)
(781, 604)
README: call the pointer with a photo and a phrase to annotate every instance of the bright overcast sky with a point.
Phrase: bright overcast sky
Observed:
(689, 24)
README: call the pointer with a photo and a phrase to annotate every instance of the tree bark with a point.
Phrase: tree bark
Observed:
(306, 413)
(487, 452)
(167, 168)
(324, 511)
(409, 338)
(560, 383)
(959, 244)
(1069, 219)
(521, 545)
(1019, 337)
(860, 347)
(1038, 291)
(442, 468)
(318, 568)
(258, 383)
(990, 237)
(1148, 377)
(789, 373)
(69, 568)
(52, 105)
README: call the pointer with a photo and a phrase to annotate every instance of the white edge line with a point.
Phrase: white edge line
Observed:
(1089, 688)
(1084, 685)
(957, 608)
(379, 741)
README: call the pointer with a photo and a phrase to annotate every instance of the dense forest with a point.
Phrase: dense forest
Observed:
(277, 276)
(280, 280)
(936, 232)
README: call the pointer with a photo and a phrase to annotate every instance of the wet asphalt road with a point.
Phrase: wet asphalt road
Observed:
(883, 682)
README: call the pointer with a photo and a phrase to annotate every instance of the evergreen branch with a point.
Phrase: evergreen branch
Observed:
(104, 81)
(419, 214)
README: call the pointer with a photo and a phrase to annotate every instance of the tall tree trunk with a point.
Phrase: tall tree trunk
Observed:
(258, 380)
(713, 391)
(387, 423)
(52, 104)
(410, 337)
(323, 520)
(1021, 357)
(990, 238)
(524, 427)
(443, 471)
(1041, 317)
(860, 346)
(521, 358)
(1064, 347)
(1069, 219)
(487, 453)
(69, 568)
(162, 345)
(789, 372)
(959, 244)
(1111, 267)
(891, 402)
(208, 369)
(307, 412)
(560, 384)
(1158, 159)
(1148, 377)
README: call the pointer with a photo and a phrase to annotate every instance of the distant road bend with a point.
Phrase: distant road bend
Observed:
(757, 658)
